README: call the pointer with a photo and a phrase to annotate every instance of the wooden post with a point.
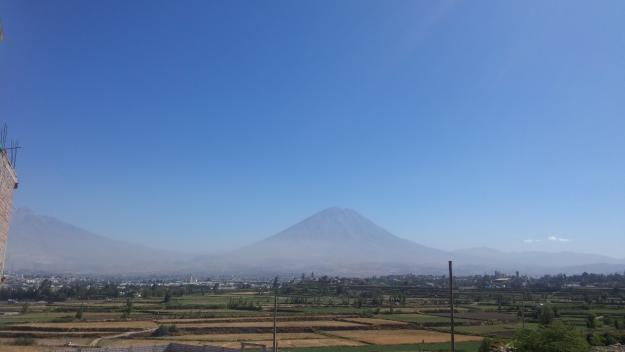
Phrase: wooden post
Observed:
(523, 308)
(275, 314)
(451, 306)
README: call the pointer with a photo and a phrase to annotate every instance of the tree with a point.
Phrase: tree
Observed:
(167, 298)
(275, 285)
(486, 345)
(79, 314)
(129, 306)
(546, 315)
(556, 337)
(25, 308)
(24, 341)
(165, 330)
(44, 290)
(591, 321)
(595, 339)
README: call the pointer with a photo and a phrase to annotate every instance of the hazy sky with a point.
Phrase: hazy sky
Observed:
(201, 125)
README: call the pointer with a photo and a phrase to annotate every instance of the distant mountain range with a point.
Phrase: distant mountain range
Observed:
(40, 243)
(334, 241)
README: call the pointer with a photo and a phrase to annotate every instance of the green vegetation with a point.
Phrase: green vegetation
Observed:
(165, 330)
(79, 314)
(556, 337)
(24, 341)
(594, 315)
(460, 347)
(244, 304)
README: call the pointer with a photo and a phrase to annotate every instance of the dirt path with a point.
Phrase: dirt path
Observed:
(95, 342)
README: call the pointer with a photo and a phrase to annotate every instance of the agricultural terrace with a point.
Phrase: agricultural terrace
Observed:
(314, 314)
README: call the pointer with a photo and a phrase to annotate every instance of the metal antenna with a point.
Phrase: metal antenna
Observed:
(15, 151)
(3, 136)
(11, 151)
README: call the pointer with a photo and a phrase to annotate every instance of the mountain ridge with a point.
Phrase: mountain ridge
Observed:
(335, 241)
(42, 243)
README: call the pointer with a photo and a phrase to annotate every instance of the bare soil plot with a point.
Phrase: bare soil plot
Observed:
(46, 334)
(403, 310)
(34, 317)
(481, 316)
(281, 324)
(140, 342)
(246, 319)
(231, 344)
(50, 342)
(374, 321)
(440, 310)
(427, 320)
(401, 336)
(10, 348)
(246, 337)
(299, 343)
(101, 316)
(87, 326)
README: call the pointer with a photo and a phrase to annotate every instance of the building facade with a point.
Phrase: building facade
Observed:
(8, 183)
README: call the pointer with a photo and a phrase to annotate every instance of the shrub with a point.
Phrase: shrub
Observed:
(165, 330)
(24, 341)
(486, 345)
(489, 344)
(79, 314)
(556, 337)
(241, 304)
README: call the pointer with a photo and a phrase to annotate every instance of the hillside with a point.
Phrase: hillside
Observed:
(42, 243)
(334, 239)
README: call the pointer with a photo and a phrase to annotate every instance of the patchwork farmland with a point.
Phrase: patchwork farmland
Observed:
(206, 319)
(312, 316)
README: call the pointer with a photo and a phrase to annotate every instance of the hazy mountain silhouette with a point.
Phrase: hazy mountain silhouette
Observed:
(342, 242)
(336, 236)
(334, 241)
(40, 243)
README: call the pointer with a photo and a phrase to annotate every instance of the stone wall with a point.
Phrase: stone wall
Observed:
(8, 183)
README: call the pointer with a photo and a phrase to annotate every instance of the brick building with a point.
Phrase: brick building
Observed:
(8, 183)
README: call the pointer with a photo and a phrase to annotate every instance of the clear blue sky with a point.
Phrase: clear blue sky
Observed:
(201, 125)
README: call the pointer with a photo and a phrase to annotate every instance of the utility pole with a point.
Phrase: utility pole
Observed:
(275, 314)
(451, 306)
(275, 329)
(523, 308)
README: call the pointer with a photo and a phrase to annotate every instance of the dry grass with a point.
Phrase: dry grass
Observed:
(282, 324)
(136, 325)
(233, 344)
(243, 319)
(137, 342)
(9, 348)
(397, 337)
(298, 343)
(246, 337)
(46, 342)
